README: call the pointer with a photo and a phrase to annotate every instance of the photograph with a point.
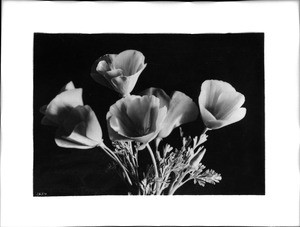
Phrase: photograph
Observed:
(126, 113)
(148, 114)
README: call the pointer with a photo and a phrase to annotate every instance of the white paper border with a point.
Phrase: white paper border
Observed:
(277, 19)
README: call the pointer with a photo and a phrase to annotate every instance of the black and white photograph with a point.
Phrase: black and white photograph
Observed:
(149, 114)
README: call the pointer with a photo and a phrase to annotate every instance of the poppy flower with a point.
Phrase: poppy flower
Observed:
(181, 109)
(119, 72)
(78, 126)
(220, 104)
(137, 118)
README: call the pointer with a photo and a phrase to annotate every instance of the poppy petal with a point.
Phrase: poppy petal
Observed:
(130, 61)
(159, 93)
(113, 132)
(96, 71)
(60, 106)
(76, 115)
(181, 110)
(75, 139)
(206, 116)
(235, 116)
(227, 103)
(215, 124)
(213, 89)
(135, 118)
(46, 121)
(65, 143)
(93, 129)
(119, 72)
(68, 86)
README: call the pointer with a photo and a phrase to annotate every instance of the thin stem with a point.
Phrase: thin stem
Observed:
(136, 165)
(205, 130)
(157, 141)
(129, 160)
(114, 157)
(136, 158)
(182, 183)
(156, 170)
(163, 179)
(132, 158)
(179, 184)
(171, 189)
(107, 150)
(164, 183)
(172, 185)
(153, 160)
(135, 153)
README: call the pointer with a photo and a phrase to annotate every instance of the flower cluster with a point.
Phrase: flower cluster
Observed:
(137, 122)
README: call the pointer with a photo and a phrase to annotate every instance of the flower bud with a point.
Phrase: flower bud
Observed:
(195, 161)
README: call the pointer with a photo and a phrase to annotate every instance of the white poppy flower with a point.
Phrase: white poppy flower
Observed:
(135, 118)
(220, 104)
(78, 126)
(119, 72)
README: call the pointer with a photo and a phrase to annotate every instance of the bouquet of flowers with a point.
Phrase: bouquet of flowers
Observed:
(139, 123)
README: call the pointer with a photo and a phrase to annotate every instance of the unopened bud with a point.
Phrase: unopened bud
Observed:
(195, 161)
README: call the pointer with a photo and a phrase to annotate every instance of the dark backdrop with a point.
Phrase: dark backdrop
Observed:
(175, 62)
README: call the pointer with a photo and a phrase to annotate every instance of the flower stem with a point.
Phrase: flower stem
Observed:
(114, 157)
(155, 170)
(205, 130)
(173, 186)
(153, 160)
(157, 141)
(179, 183)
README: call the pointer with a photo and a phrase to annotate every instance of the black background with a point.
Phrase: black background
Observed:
(175, 62)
